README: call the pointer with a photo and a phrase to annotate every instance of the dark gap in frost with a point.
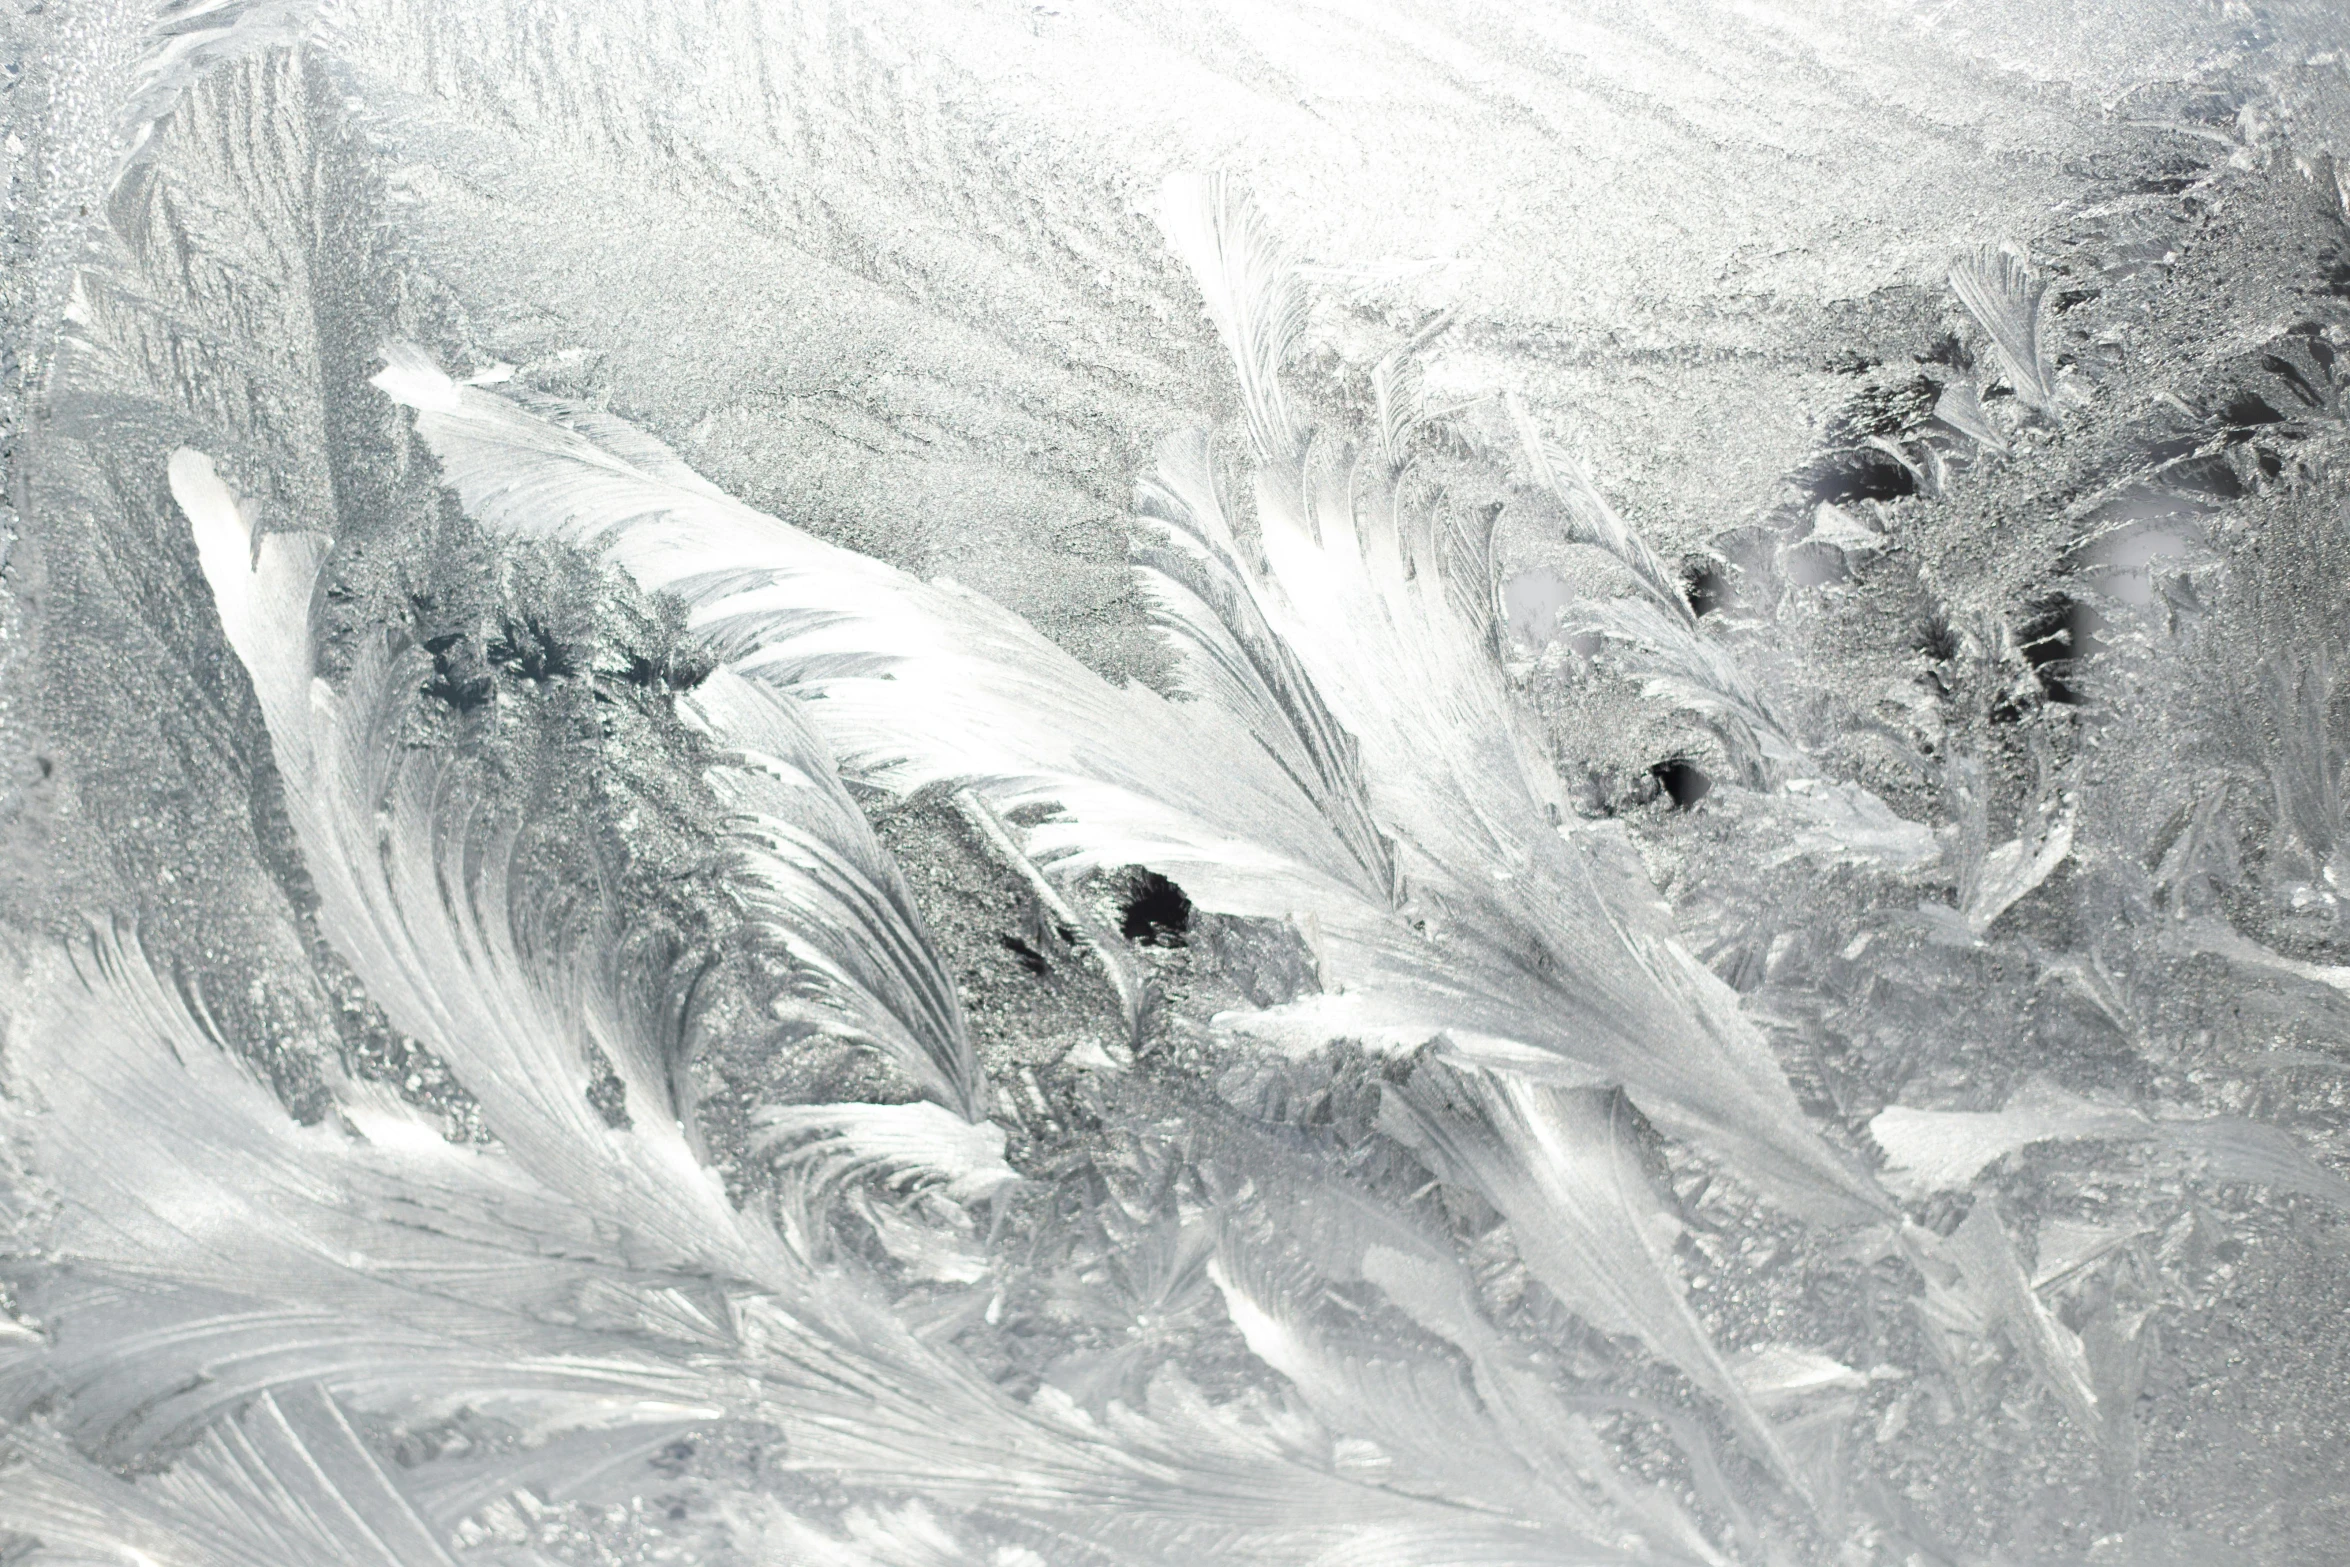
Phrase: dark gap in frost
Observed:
(2321, 358)
(1154, 911)
(2210, 479)
(1682, 780)
(1030, 959)
(1934, 637)
(2249, 408)
(1706, 584)
(456, 679)
(1882, 410)
(608, 1097)
(1867, 475)
(532, 649)
(675, 671)
(2061, 632)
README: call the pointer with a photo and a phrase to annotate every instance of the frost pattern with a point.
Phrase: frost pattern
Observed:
(759, 807)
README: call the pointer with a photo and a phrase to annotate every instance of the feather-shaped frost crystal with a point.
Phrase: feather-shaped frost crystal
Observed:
(2007, 299)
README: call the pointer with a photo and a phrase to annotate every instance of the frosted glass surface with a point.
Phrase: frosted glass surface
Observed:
(1150, 782)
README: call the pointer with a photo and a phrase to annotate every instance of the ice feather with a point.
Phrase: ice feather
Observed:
(587, 1465)
(1346, 1237)
(1983, 1248)
(1960, 406)
(814, 879)
(2004, 295)
(1944, 1150)
(820, 1149)
(208, 1248)
(1597, 523)
(1996, 882)
(1188, 565)
(293, 1456)
(1560, 1166)
(286, 1480)
(1416, 1409)
(1253, 295)
(1676, 661)
(414, 890)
